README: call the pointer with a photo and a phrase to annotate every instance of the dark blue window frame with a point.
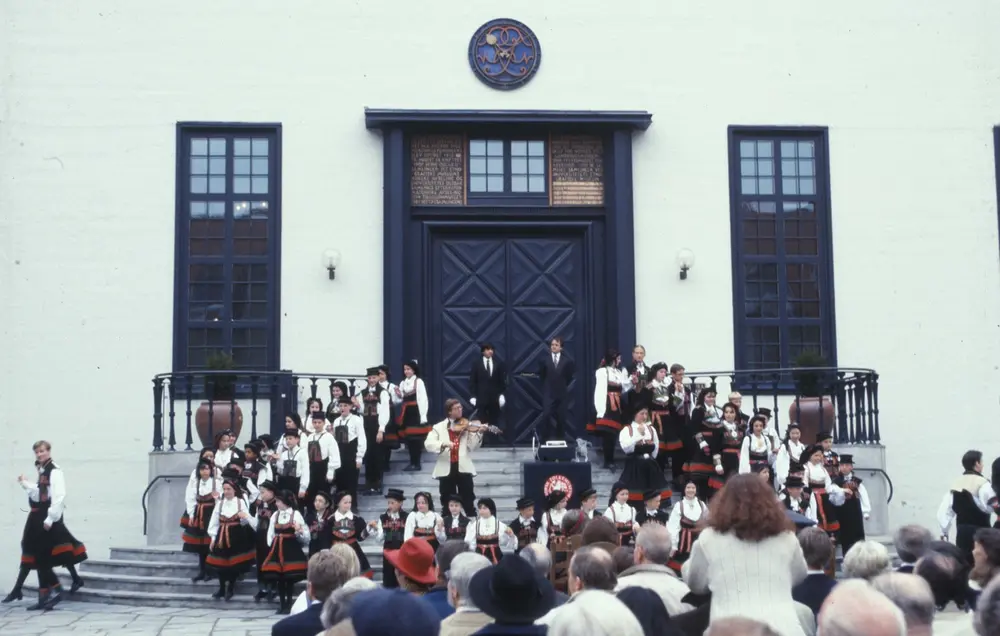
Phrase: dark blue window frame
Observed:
(779, 320)
(238, 336)
(508, 196)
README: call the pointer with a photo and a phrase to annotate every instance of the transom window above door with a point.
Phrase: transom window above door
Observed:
(507, 168)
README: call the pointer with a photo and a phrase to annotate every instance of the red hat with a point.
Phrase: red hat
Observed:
(415, 560)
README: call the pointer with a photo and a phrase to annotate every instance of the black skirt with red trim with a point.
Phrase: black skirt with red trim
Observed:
(195, 535)
(286, 560)
(689, 534)
(410, 426)
(642, 473)
(489, 547)
(55, 547)
(613, 419)
(235, 548)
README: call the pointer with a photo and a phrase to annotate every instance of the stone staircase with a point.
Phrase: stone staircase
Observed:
(160, 576)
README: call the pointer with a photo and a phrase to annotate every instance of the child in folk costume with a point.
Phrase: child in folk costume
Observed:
(286, 560)
(323, 455)
(207, 454)
(827, 495)
(684, 525)
(293, 466)
(526, 528)
(255, 471)
(199, 505)
(705, 446)
(391, 439)
(413, 425)
(621, 514)
(756, 449)
(423, 521)
(795, 498)
(611, 382)
(487, 535)
(789, 451)
(831, 461)
(231, 530)
(292, 421)
(389, 529)
(857, 508)
(338, 390)
(454, 524)
(641, 473)
(225, 453)
(651, 512)
(588, 502)
(764, 472)
(375, 416)
(769, 430)
(680, 407)
(245, 488)
(671, 438)
(313, 405)
(349, 431)
(351, 529)
(555, 512)
(266, 508)
(732, 439)
(320, 520)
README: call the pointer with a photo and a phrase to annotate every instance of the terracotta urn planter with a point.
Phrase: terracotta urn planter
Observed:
(222, 417)
(813, 414)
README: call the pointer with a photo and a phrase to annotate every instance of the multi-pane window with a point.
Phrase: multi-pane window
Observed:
(781, 260)
(227, 229)
(507, 167)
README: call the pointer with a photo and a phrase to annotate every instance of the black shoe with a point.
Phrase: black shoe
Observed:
(43, 598)
(219, 593)
(260, 596)
(230, 590)
(77, 584)
(202, 576)
(271, 595)
(53, 600)
(412, 468)
(15, 595)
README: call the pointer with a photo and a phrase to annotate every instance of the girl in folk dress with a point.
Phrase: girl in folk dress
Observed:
(684, 525)
(313, 405)
(351, 529)
(232, 550)
(225, 453)
(320, 520)
(641, 446)
(789, 452)
(487, 535)
(555, 512)
(756, 449)
(454, 524)
(423, 521)
(705, 445)
(612, 381)
(413, 426)
(266, 508)
(670, 436)
(286, 561)
(199, 501)
(621, 514)
(207, 454)
(732, 439)
(827, 495)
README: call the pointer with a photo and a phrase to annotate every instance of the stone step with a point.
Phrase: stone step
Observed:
(159, 554)
(156, 569)
(160, 584)
(239, 602)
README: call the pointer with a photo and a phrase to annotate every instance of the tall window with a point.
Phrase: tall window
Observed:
(507, 168)
(782, 270)
(227, 252)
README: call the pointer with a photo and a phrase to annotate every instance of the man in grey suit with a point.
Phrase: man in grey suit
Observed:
(557, 371)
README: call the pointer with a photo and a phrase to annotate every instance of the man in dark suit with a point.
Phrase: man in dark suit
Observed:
(487, 383)
(326, 572)
(817, 550)
(557, 371)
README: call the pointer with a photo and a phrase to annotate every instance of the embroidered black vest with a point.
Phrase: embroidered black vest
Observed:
(393, 530)
(370, 399)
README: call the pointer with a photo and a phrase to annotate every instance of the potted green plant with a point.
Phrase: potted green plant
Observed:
(220, 410)
(812, 410)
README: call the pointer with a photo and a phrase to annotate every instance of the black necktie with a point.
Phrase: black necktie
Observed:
(489, 367)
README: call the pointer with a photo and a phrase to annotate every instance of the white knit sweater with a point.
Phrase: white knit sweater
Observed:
(752, 580)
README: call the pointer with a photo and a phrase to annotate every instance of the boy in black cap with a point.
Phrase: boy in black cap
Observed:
(323, 456)
(453, 523)
(375, 414)
(831, 461)
(526, 527)
(652, 512)
(389, 529)
(293, 466)
(588, 502)
(857, 507)
(794, 497)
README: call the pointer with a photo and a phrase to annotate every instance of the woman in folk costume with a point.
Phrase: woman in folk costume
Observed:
(671, 437)
(641, 445)
(611, 382)
(199, 506)
(679, 404)
(487, 535)
(621, 514)
(454, 524)
(423, 521)
(555, 512)
(639, 375)
(232, 550)
(732, 439)
(412, 419)
(351, 529)
(286, 560)
(266, 508)
(705, 445)
(857, 508)
(789, 452)
(685, 525)
(796, 498)
(320, 519)
(756, 449)
(323, 455)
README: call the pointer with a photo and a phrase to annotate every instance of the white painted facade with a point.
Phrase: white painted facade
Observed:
(90, 95)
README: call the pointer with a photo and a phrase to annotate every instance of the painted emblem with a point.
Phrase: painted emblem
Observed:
(504, 54)
(558, 482)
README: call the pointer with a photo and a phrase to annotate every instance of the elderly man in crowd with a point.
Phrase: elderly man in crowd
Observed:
(817, 550)
(541, 560)
(345, 567)
(327, 571)
(438, 595)
(591, 568)
(337, 609)
(987, 618)
(866, 560)
(652, 551)
(911, 543)
(467, 619)
(854, 608)
(596, 614)
(912, 595)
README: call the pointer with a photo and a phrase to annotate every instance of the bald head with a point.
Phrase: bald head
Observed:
(854, 608)
(912, 595)
(739, 627)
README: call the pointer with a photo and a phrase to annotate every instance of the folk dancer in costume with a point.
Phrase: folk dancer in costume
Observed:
(552, 520)
(454, 524)
(453, 440)
(323, 455)
(487, 384)
(769, 430)
(732, 440)
(526, 528)
(487, 535)
(320, 522)
(684, 525)
(390, 439)
(375, 414)
(611, 382)
(199, 505)
(756, 449)
(46, 542)
(671, 438)
(651, 512)
(679, 404)
(207, 454)
(255, 472)
(388, 530)
(790, 450)
(266, 508)
(827, 496)
(967, 504)
(232, 550)
(621, 514)
(588, 502)
(640, 375)
(293, 466)
(641, 445)
(704, 463)
(736, 399)
(225, 453)
(831, 461)
(286, 560)
(351, 529)
(857, 507)
(245, 487)
(292, 421)
(413, 426)
(794, 497)
(349, 433)
(313, 405)
(422, 522)
(338, 390)
(764, 472)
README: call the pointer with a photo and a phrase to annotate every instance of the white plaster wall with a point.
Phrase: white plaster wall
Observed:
(91, 93)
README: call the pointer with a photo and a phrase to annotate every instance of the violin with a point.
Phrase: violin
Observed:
(475, 426)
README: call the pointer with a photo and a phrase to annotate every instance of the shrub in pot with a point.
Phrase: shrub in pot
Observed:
(220, 411)
(811, 409)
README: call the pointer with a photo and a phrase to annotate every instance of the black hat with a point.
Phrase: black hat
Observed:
(554, 498)
(651, 494)
(372, 371)
(822, 437)
(511, 592)
(808, 453)
(325, 495)
(266, 441)
(345, 399)
(452, 497)
(796, 467)
(413, 364)
(525, 502)
(587, 494)
(847, 459)
(318, 415)
(270, 485)
(489, 503)
(230, 473)
(794, 482)
(766, 412)
(292, 432)
(286, 497)
(653, 370)
(395, 493)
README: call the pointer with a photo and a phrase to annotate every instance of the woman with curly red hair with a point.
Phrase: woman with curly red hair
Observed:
(748, 556)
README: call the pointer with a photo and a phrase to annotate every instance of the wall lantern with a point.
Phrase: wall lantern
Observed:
(685, 261)
(331, 260)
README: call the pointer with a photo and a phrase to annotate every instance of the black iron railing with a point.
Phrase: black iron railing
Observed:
(178, 396)
(852, 392)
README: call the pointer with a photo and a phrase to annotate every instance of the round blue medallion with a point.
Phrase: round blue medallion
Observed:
(504, 54)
